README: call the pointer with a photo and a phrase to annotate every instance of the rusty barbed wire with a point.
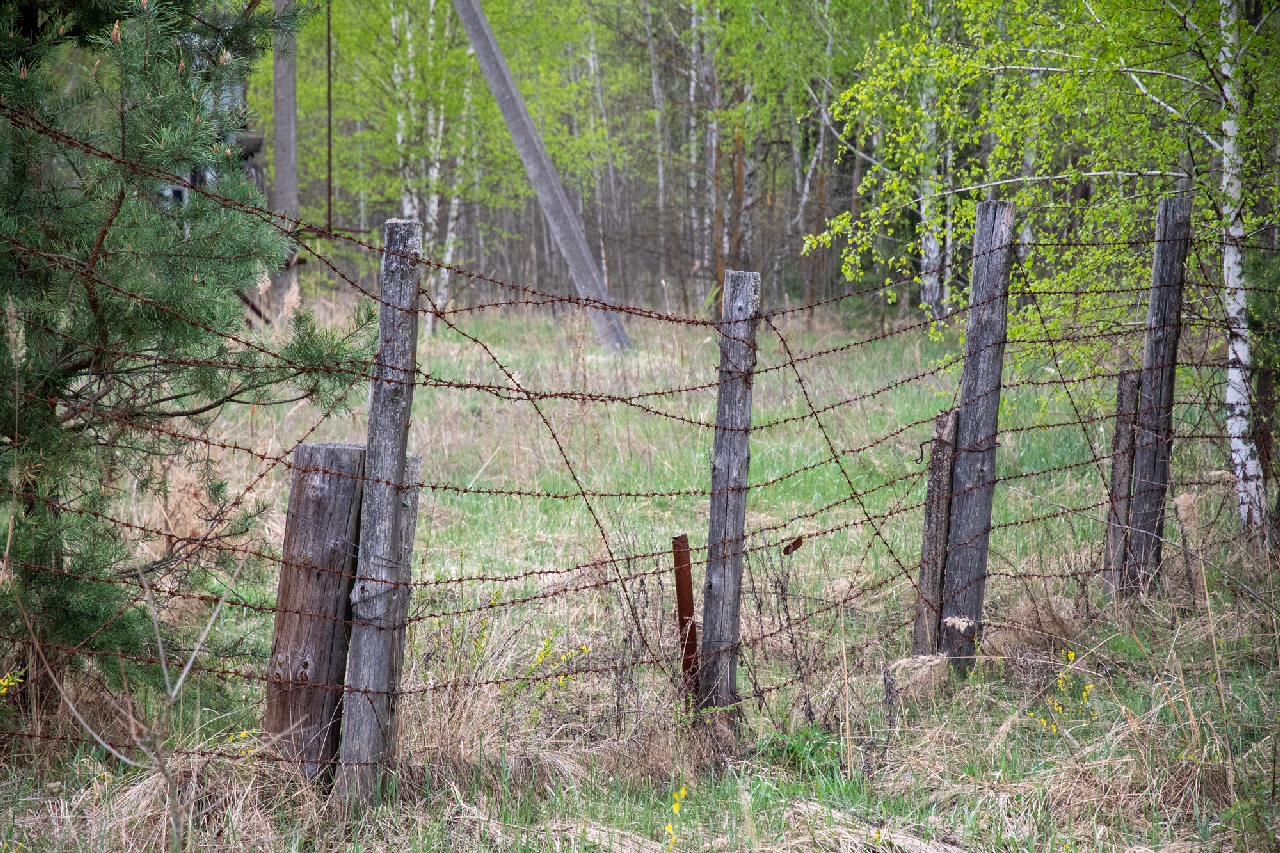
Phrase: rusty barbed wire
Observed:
(621, 567)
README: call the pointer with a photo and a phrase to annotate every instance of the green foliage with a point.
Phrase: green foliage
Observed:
(414, 123)
(809, 751)
(125, 257)
(1083, 113)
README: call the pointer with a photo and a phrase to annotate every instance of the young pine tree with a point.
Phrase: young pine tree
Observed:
(129, 234)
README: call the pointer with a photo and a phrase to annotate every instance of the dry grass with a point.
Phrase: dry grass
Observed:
(845, 742)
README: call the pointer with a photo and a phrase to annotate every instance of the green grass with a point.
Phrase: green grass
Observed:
(969, 760)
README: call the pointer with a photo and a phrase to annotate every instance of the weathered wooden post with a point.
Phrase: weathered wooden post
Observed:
(684, 613)
(1121, 490)
(377, 621)
(1154, 439)
(974, 471)
(730, 460)
(400, 611)
(309, 643)
(933, 550)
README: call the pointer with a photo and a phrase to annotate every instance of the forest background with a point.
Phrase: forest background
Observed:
(838, 148)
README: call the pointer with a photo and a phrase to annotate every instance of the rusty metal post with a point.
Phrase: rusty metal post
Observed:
(684, 609)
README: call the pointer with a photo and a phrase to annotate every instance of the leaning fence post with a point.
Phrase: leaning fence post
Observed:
(933, 549)
(309, 643)
(973, 473)
(730, 460)
(684, 613)
(1121, 490)
(1154, 439)
(368, 719)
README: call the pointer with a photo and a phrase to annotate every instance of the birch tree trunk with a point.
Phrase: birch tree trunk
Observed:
(603, 223)
(930, 245)
(450, 229)
(660, 136)
(713, 214)
(614, 210)
(284, 149)
(695, 65)
(1244, 452)
(408, 199)
(435, 128)
(949, 237)
(441, 290)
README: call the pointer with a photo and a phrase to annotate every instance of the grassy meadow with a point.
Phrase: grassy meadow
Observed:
(535, 716)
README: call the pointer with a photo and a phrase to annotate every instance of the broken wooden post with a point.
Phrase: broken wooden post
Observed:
(1154, 439)
(309, 643)
(974, 470)
(933, 550)
(1121, 490)
(730, 460)
(684, 612)
(368, 719)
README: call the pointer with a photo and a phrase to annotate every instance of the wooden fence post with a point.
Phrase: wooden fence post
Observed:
(933, 550)
(730, 460)
(684, 612)
(974, 471)
(368, 718)
(1121, 491)
(400, 611)
(309, 643)
(1154, 439)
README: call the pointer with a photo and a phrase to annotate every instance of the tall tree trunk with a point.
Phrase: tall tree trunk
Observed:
(745, 188)
(408, 197)
(789, 222)
(859, 172)
(606, 213)
(451, 221)
(695, 69)
(799, 219)
(284, 149)
(949, 236)
(930, 245)
(713, 215)
(1244, 453)
(659, 126)
(435, 131)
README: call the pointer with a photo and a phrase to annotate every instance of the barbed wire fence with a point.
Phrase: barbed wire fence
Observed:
(454, 642)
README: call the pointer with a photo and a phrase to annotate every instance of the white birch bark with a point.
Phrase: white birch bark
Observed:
(435, 130)
(441, 296)
(441, 288)
(408, 199)
(712, 91)
(949, 241)
(930, 245)
(747, 214)
(284, 152)
(609, 222)
(1026, 234)
(695, 65)
(660, 135)
(597, 196)
(1244, 454)
(789, 223)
